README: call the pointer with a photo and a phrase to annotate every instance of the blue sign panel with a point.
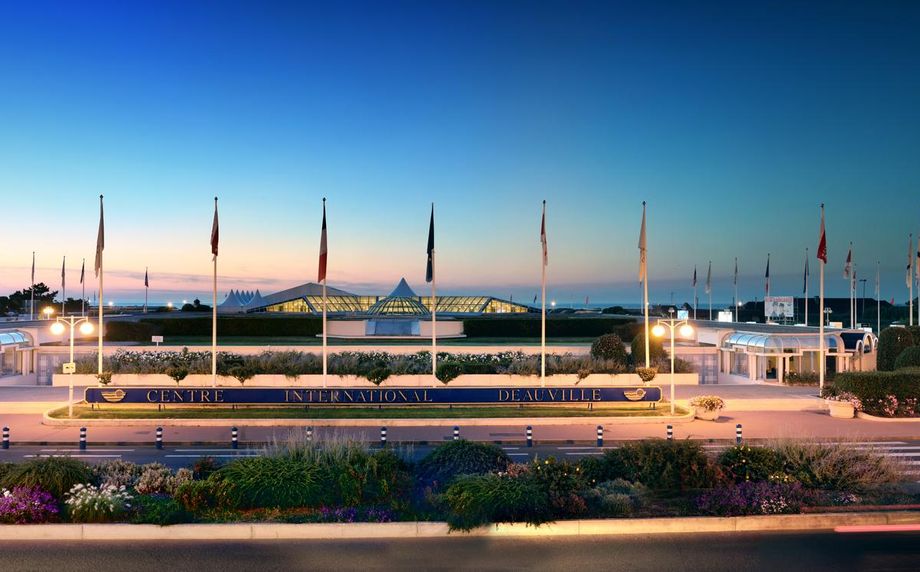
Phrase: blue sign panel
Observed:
(371, 396)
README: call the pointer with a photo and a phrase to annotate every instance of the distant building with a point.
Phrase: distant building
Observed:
(402, 301)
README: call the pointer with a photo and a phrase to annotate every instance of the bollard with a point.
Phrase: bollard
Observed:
(738, 434)
(529, 434)
(309, 433)
(82, 438)
(600, 435)
(159, 438)
(383, 436)
(6, 437)
(234, 438)
(670, 432)
(456, 433)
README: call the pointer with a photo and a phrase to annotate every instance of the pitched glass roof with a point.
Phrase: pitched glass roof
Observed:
(782, 343)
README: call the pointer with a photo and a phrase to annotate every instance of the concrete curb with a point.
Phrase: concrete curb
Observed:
(867, 417)
(441, 422)
(605, 527)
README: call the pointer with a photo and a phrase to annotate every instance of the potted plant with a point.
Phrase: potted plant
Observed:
(707, 406)
(842, 405)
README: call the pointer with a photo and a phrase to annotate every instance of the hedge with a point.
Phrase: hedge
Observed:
(910, 357)
(250, 326)
(529, 327)
(891, 342)
(873, 387)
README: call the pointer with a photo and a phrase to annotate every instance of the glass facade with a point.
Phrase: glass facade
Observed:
(397, 305)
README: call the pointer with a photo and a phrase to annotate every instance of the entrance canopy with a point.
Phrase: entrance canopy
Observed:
(781, 344)
(14, 338)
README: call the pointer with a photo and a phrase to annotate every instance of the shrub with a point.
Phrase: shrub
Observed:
(57, 475)
(352, 514)
(616, 498)
(876, 389)
(910, 357)
(447, 371)
(835, 466)
(743, 463)
(529, 327)
(156, 478)
(461, 457)
(708, 402)
(609, 346)
(647, 374)
(798, 378)
(24, 505)
(564, 485)
(87, 503)
(104, 378)
(477, 500)
(378, 375)
(116, 473)
(204, 467)
(656, 351)
(159, 510)
(5, 468)
(750, 498)
(891, 342)
(272, 482)
(242, 373)
(177, 373)
(663, 465)
(200, 496)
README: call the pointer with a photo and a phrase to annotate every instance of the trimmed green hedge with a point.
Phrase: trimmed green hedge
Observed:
(529, 327)
(891, 342)
(873, 389)
(249, 326)
(910, 357)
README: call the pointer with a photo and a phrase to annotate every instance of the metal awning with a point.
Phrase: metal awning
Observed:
(14, 338)
(756, 342)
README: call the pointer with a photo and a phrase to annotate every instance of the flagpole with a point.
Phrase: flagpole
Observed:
(822, 243)
(543, 302)
(806, 287)
(910, 279)
(736, 289)
(100, 247)
(878, 296)
(644, 245)
(323, 246)
(146, 289)
(214, 316)
(63, 286)
(434, 320)
(32, 303)
(83, 286)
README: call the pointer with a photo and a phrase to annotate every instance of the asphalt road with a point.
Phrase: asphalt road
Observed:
(737, 552)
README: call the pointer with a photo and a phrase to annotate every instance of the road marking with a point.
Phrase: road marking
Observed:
(879, 528)
(95, 450)
(518, 454)
(196, 456)
(214, 450)
(75, 456)
(510, 448)
(585, 453)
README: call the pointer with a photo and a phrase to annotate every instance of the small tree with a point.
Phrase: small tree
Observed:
(177, 373)
(609, 347)
(656, 351)
(243, 372)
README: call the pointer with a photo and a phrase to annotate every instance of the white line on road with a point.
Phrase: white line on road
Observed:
(585, 453)
(93, 448)
(226, 455)
(75, 456)
(518, 454)
(214, 450)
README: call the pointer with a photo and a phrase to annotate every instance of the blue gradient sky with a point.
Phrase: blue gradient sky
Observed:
(733, 119)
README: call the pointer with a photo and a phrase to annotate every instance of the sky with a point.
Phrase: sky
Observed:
(733, 120)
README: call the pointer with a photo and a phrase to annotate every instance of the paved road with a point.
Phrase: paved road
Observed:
(739, 551)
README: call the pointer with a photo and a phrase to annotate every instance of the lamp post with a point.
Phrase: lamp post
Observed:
(48, 311)
(660, 329)
(59, 327)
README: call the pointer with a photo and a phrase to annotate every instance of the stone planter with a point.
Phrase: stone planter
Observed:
(841, 409)
(707, 415)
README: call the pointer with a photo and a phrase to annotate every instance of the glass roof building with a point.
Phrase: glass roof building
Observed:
(402, 301)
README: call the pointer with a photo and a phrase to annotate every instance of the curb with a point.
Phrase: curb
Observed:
(867, 417)
(435, 422)
(605, 527)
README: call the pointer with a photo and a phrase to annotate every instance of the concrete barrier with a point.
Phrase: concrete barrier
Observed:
(592, 527)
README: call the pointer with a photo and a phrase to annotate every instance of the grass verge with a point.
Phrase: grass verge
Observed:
(389, 412)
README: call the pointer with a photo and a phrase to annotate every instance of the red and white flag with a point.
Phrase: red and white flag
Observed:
(323, 250)
(822, 240)
(215, 232)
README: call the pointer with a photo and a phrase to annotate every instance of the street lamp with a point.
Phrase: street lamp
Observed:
(660, 329)
(48, 311)
(58, 328)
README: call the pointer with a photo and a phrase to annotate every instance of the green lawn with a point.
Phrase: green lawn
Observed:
(315, 341)
(389, 412)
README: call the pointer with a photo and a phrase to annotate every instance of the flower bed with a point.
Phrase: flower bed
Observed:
(879, 393)
(464, 483)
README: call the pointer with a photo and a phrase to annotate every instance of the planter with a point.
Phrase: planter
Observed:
(841, 409)
(707, 415)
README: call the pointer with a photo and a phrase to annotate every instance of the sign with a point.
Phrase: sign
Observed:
(157, 340)
(726, 316)
(779, 307)
(70, 367)
(683, 314)
(372, 396)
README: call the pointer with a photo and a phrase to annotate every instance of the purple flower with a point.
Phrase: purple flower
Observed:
(752, 498)
(25, 505)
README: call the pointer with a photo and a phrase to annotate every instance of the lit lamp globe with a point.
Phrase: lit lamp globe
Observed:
(48, 311)
(658, 331)
(57, 328)
(86, 328)
(686, 330)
